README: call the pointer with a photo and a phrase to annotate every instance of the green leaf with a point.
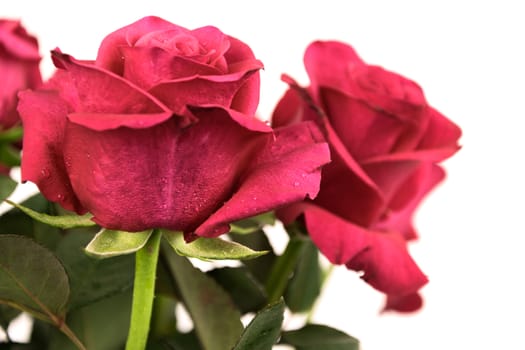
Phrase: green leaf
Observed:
(9, 155)
(216, 319)
(92, 279)
(109, 243)
(264, 330)
(13, 134)
(305, 285)
(32, 279)
(260, 267)
(313, 337)
(209, 248)
(7, 186)
(60, 221)
(247, 293)
(101, 326)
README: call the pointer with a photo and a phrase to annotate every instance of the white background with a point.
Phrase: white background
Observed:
(468, 57)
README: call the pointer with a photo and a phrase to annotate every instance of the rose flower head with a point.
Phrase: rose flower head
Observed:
(159, 132)
(19, 70)
(386, 143)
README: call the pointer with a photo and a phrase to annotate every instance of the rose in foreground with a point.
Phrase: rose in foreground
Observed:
(159, 132)
(19, 69)
(386, 142)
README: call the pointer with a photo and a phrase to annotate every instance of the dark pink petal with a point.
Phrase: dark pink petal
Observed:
(199, 91)
(43, 115)
(327, 64)
(381, 257)
(407, 199)
(390, 176)
(16, 42)
(345, 187)
(109, 56)
(240, 57)
(215, 44)
(441, 133)
(148, 66)
(97, 91)
(16, 76)
(365, 132)
(285, 168)
(403, 303)
(387, 91)
(289, 110)
(165, 176)
(339, 240)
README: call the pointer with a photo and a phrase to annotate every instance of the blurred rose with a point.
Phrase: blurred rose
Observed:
(159, 132)
(385, 143)
(19, 70)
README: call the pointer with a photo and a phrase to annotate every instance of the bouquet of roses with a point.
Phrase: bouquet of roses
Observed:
(151, 157)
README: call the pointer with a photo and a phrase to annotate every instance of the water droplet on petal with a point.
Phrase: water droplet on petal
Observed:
(296, 183)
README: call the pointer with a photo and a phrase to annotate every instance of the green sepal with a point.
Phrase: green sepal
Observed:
(13, 134)
(109, 243)
(209, 248)
(59, 221)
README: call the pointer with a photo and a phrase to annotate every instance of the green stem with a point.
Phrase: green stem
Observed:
(143, 292)
(329, 271)
(283, 269)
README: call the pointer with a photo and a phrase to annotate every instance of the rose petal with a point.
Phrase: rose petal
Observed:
(339, 56)
(17, 42)
(209, 90)
(103, 100)
(148, 66)
(403, 303)
(43, 115)
(441, 133)
(407, 199)
(365, 132)
(164, 176)
(284, 169)
(109, 56)
(381, 257)
(346, 189)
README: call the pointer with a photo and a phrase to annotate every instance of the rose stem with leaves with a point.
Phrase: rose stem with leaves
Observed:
(143, 292)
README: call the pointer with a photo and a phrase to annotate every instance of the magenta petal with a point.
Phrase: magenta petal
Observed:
(16, 42)
(346, 189)
(381, 257)
(284, 169)
(164, 176)
(339, 56)
(177, 95)
(388, 266)
(109, 55)
(100, 91)
(148, 66)
(407, 199)
(404, 303)
(43, 115)
(441, 133)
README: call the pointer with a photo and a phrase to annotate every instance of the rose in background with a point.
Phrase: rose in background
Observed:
(159, 132)
(19, 69)
(386, 142)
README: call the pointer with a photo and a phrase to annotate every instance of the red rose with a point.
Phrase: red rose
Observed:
(19, 69)
(159, 132)
(385, 143)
